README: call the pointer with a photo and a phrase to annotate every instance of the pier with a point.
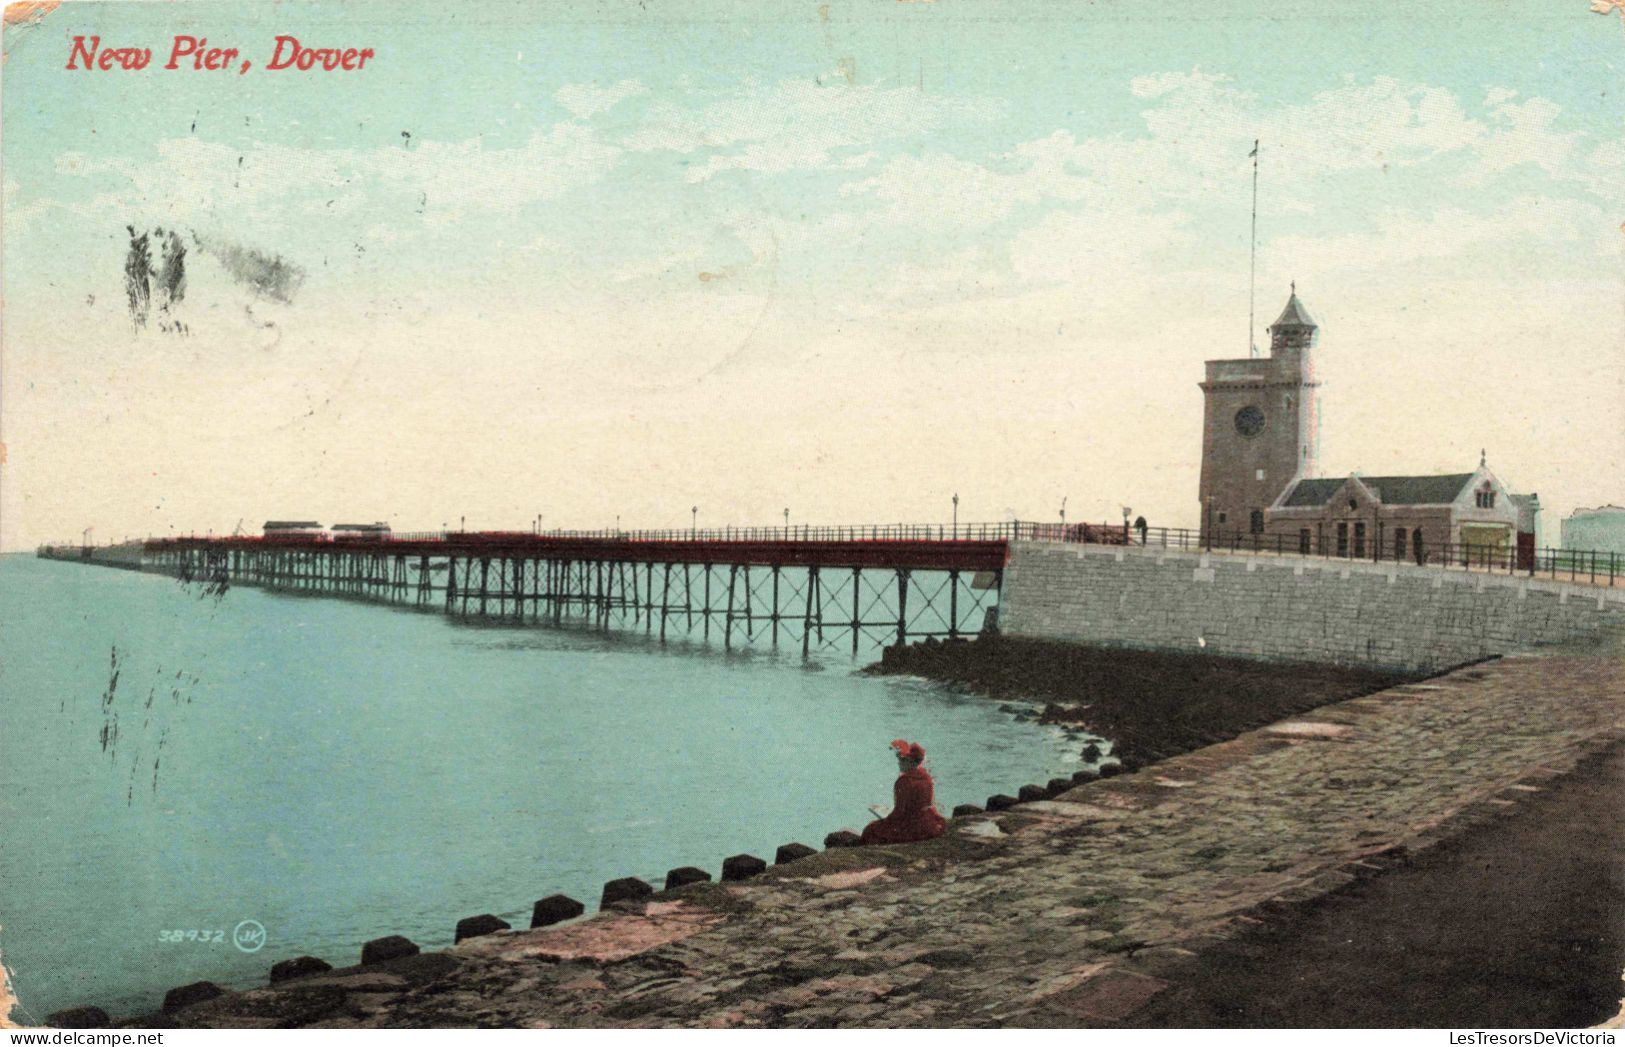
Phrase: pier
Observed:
(819, 587)
(841, 587)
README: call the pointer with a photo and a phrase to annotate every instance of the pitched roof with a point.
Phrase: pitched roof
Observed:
(1294, 315)
(1392, 490)
(1313, 492)
(1417, 490)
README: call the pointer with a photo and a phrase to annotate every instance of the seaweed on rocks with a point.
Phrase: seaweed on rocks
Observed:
(1152, 704)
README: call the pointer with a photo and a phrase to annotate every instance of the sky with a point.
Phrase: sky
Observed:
(608, 262)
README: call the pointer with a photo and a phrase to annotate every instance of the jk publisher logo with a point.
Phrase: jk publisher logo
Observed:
(249, 936)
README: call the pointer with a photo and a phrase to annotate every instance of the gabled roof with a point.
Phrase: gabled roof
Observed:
(1313, 492)
(1392, 490)
(1294, 315)
(1418, 490)
(289, 525)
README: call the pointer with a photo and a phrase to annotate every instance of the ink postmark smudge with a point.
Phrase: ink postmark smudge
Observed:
(163, 284)
(266, 274)
(156, 286)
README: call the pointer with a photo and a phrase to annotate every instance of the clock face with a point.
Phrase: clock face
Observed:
(1249, 421)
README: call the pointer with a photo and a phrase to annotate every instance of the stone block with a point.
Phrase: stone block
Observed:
(843, 838)
(966, 810)
(475, 926)
(1029, 793)
(1088, 774)
(626, 889)
(1110, 770)
(298, 967)
(186, 995)
(742, 867)
(684, 875)
(792, 852)
(389, 947)
(555, 908)
(1057, 786)
(1001, 802)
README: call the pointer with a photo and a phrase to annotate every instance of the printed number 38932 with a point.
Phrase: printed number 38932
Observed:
(205, 937)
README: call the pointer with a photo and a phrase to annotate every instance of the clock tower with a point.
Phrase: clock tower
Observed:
(1260, 426)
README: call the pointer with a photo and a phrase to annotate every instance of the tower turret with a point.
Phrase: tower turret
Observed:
(1293, 329)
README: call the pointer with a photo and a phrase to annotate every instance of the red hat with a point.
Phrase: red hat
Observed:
(909, 750)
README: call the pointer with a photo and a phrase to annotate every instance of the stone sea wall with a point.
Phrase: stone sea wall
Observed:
(1381, 615)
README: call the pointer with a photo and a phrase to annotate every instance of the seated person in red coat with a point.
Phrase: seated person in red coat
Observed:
(913, 815)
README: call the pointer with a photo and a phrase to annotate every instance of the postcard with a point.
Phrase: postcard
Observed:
(854, 514)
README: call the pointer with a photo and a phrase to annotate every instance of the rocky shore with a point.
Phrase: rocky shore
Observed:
(1080, 907)
(1151, 704)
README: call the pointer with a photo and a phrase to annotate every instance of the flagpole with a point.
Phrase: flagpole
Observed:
(1252, 275)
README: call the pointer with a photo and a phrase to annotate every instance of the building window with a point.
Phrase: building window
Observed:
(1221, 518)
(1486, 497)
(1256, 524)
(1359, 538)
(1342, 538)
(1303, 540)
(1399, 543)
(1416, 546)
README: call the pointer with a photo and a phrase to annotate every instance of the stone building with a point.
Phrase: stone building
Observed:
(1260, 441)
(1602, 529)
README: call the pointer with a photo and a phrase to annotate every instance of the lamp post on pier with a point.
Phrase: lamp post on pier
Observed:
(693, 521)
(956, 516)
(1063, 512)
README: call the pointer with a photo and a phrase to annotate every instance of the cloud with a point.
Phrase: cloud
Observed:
(1523, 133)
(211, 185)
(587, 100)
(800, 124)
(1202, 123)
(20, 215)
(1100, 248)
(1505, 238)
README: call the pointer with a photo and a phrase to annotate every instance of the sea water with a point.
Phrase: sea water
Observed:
(181, 769)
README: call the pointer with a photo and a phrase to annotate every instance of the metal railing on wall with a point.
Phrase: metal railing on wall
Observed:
(1599, 567)
(1593, 566)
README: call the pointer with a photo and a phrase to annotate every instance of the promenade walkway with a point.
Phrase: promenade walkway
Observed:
(1076, 910)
